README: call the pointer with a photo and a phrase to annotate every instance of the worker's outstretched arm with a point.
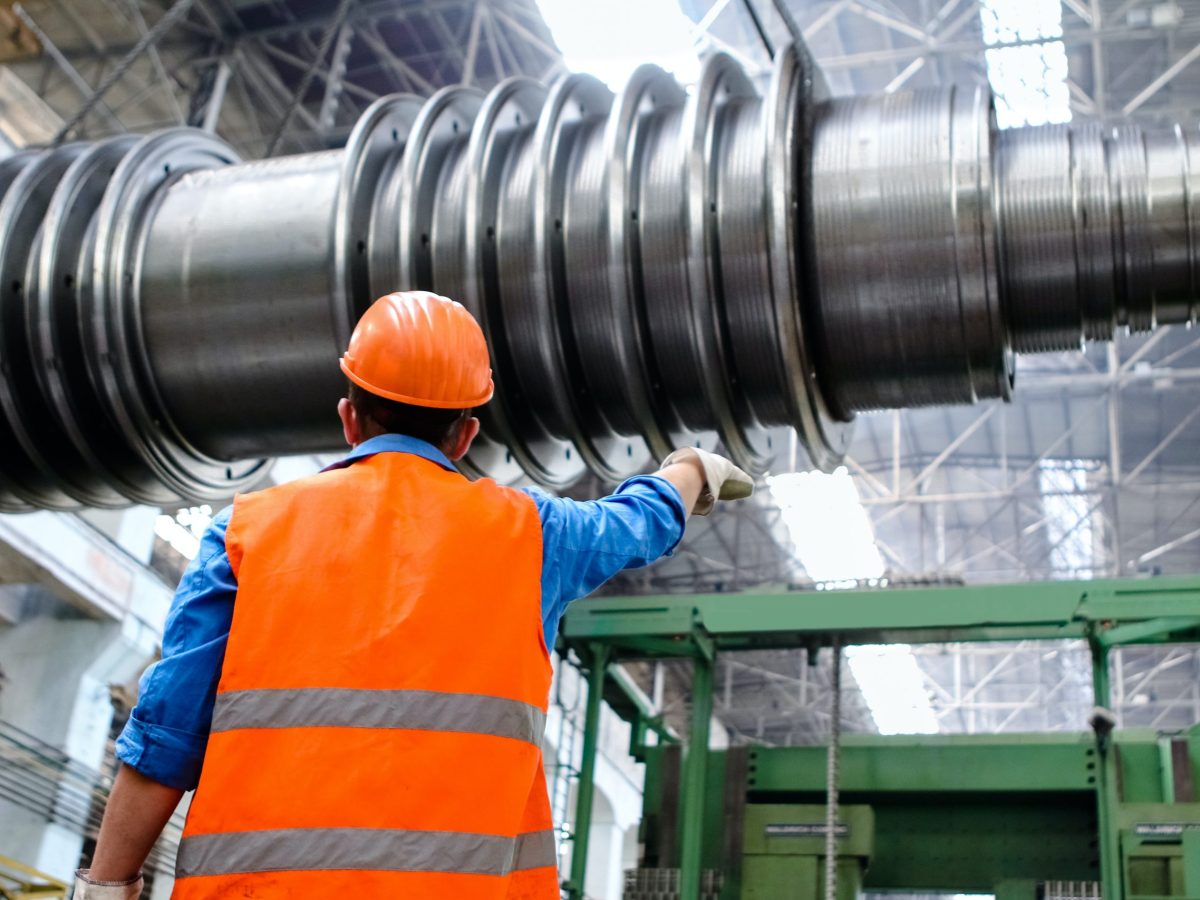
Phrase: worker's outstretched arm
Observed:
(137, 810)
(688, 478)
(703, 478)
(585, 543)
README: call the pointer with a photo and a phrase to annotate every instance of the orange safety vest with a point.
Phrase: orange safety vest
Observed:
(378, 722)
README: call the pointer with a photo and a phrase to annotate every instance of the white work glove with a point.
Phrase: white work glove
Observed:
(106, 890)
(723, 480)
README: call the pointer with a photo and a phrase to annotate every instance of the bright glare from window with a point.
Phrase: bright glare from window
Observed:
(828, 526)
(893, 688)
(1030, 79)
(834, 542)
(611, 39)
(184, 530)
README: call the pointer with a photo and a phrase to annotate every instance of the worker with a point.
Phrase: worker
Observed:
(356, 665)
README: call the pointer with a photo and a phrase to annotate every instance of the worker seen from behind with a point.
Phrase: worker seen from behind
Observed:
(356, 665)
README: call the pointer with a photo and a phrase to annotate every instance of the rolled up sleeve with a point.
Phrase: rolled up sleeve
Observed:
(167, 731)
(585, 543)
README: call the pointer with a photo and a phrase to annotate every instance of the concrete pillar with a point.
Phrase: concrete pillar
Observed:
(618, 800)
(604, 876)
(58, 667)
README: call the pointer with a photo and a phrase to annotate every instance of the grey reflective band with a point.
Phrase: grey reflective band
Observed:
(349, 708)
(534, 850)
(367, 849)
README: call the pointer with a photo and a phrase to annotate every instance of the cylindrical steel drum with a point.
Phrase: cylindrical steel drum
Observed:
(652, 269)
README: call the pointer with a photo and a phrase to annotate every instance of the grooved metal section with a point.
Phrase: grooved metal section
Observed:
(1038, 196)
(653, 269)
(909, 301)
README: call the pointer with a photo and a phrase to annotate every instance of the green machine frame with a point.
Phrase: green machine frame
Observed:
(987, 813)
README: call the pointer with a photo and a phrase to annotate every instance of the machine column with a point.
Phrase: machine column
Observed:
(1111, 882)
(694, 776)
(597, 672)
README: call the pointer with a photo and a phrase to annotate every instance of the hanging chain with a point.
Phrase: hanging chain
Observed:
(832, 762)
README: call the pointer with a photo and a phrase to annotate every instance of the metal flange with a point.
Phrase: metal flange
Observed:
(116, 356)
(548, 362)
(505, 122)
(787, 123)
(44, 466)
(720, 80)
(64, 269)
(375, 147)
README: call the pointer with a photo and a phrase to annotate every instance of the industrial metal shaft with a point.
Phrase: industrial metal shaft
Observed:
(653, 269)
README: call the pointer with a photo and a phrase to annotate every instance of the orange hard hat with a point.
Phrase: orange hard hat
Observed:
(418, 348)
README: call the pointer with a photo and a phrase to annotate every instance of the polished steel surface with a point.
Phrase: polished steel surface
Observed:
(908, 312)
(652, 269)
(1041, 200)
(256, 243)
(40, 466)
(115, 309)
(1099, 231)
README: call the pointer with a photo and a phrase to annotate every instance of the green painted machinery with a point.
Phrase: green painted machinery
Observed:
(783, 851)
(961, 814)
(1024, 817)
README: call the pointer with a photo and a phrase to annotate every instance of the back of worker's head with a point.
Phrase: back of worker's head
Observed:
(417, 365)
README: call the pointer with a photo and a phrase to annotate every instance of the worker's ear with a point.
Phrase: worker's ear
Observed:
(467, 433)
(351, 427)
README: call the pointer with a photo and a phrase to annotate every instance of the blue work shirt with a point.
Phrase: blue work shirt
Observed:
(583, 545)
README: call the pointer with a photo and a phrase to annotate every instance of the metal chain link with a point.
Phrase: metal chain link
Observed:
(832, 763)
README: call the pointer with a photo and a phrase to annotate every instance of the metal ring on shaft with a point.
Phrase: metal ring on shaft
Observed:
(787, 121)
(57, 342)
(112, 316)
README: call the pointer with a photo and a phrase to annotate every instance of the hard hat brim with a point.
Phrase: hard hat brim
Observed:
(418, 401)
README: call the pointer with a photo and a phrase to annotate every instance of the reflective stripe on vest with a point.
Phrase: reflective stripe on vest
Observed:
(353, 708)
(388, 850)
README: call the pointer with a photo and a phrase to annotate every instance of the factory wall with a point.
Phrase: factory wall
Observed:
(79, 613)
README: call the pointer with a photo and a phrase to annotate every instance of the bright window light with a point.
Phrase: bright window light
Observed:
(611, 39)
(828, 526)
(892, 686)
(1069, 526)
(1030, 78)
(184, 530)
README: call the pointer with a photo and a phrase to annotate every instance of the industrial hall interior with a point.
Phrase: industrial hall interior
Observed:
(600, 449)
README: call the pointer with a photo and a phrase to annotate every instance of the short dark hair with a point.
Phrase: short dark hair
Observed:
(429, 424)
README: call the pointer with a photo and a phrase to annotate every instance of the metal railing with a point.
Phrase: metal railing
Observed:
(43, 780)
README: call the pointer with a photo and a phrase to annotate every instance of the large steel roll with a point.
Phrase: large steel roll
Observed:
(651, 269)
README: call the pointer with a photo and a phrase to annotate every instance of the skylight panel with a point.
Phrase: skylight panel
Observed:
(893, 687)
(611, 39)
(828, 526)
(1026, 65)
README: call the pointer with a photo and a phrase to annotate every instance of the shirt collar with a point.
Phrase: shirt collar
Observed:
(394, 443)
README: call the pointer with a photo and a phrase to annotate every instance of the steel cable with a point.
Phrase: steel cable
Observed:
(833, 759)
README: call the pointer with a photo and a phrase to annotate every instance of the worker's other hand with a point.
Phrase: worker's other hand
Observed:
(106, 890)
(723, 480)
